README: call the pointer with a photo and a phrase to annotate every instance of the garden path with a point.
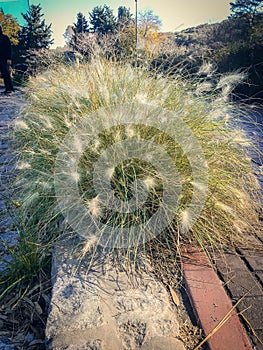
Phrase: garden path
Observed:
(242, 273)
(9, 107)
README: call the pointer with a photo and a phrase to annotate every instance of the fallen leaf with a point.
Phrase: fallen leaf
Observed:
(175, 297)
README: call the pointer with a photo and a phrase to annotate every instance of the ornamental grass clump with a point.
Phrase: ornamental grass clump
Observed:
(131, 159)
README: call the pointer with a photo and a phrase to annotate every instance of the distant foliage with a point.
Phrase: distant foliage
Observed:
(233, 44)
(244, 7)
(78, 31)
(10, 27)
(69, 33)
(125, 17)
(103, 34)
(35, 33)
(103, 20)
(148, 22)
(257, 31)
(116, 36)
(81, 26)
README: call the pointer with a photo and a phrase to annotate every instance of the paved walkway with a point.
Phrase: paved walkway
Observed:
(9, 106)
(242, 273)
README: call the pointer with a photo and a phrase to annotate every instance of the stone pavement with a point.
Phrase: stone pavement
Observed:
(103, 306)
(9, 106)
(242, 273)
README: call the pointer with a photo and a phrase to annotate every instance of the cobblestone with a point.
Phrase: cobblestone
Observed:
(238, 279)
(255, 261)
(259, 333)
(243, 277)
(6, 158)
(5, 223)
(9, 238)
(251, 308)
(260, 276)
(2, 207)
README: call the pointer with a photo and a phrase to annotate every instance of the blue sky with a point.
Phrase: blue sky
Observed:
(175, 14)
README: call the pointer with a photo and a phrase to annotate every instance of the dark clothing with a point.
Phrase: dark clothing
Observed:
(5, 55)
(5, 48)
(5, 72)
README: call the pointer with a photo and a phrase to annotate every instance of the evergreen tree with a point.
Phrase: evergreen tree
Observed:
(125, 39)
(81, 26)
(246, 7)
(35, 34)
(10, 27)
(102, 19)
(125, 17)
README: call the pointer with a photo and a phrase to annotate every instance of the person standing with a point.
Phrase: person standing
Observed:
(6, 61)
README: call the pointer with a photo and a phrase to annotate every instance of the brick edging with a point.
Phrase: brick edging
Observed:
(211, 304)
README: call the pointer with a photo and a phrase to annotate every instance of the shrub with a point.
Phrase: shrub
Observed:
(61, 98)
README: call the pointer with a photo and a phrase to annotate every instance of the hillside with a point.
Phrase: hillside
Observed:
(235, 44)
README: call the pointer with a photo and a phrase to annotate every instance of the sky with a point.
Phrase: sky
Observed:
(174, 14)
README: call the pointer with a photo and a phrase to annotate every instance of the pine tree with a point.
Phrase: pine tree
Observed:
(35, 34)
(81, 26)
(246, 7)
(125, 17)
(10, 27)
(126, 38)
(249, 10)
(102, 19)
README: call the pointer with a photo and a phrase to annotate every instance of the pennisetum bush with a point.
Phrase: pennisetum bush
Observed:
(62, 97)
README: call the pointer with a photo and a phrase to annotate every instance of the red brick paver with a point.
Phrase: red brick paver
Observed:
(211, 304)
